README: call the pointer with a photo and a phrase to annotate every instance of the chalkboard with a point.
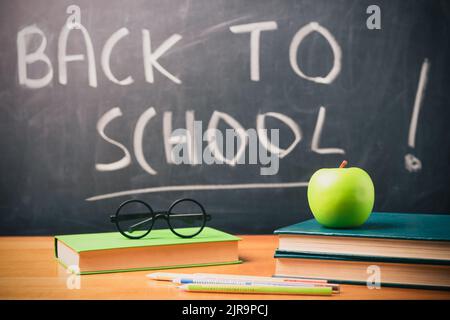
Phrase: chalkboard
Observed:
(91, 93)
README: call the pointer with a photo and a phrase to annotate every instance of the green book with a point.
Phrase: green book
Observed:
(160, 249)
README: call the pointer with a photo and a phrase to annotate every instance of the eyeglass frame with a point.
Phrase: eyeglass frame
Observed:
(155, 215)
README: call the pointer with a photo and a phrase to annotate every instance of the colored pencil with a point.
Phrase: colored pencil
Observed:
(229, 281)
(221, 288)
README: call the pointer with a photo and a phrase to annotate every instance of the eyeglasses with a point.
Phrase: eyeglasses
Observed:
(135, 218)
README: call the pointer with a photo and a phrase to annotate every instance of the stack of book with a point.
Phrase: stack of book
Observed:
(112, 252)
(399, 249)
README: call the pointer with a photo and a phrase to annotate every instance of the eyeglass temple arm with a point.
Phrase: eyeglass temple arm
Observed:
(157, 215)
(134, 226)
(115, 218)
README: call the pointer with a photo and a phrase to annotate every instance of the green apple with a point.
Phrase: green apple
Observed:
(341, 197)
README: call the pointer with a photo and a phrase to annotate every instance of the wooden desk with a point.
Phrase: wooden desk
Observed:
(28, 270)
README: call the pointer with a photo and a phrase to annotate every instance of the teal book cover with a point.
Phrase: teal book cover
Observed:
(405, 226)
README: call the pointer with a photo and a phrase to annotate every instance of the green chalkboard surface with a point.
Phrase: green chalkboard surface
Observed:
(91, 95)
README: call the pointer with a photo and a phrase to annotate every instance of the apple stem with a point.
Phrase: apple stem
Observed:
(343, 164)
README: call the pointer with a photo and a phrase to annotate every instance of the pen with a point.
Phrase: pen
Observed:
(167, 276)
(170, 276)
(262, 278)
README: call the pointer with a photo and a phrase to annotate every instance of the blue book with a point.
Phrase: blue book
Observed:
(371, 271)
(391, 235)
(410, 250)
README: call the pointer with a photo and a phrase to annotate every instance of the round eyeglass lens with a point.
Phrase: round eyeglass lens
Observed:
(187, 217)
(135, 219)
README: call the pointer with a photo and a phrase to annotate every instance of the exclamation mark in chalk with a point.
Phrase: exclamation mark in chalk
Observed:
(413, 164)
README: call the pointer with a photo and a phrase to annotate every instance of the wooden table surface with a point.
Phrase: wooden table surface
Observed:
(28, 270)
